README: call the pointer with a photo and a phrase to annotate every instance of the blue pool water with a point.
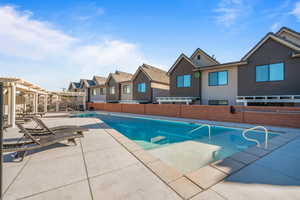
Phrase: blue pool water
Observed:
(152, 134)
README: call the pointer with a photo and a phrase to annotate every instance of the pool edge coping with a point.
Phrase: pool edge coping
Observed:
(219, 176)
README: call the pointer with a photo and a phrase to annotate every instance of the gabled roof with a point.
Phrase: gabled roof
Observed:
(99, 80)
(198, 50)
(182, 56)
(119, 77)
(87, 82)
(153, 73)
(75, 85)
(275, 38)
(288, 30)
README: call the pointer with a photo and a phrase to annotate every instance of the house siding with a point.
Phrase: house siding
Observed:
(126, 96)
(116, 96)
(270, 52)
(184, 68)
(98, 97)
(227, 92)
(157, 92)
(139, 96)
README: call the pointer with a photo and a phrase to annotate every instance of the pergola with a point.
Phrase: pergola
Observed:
(19, 92)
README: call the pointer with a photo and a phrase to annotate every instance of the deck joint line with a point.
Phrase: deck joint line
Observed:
(14, 179)
(86, 171)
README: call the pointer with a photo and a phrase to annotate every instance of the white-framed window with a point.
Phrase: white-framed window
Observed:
(94, 91)
(126, 89)
(102, 91)
(112, 90)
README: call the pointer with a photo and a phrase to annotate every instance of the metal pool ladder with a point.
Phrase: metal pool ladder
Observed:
(203, 125)
(255, 140)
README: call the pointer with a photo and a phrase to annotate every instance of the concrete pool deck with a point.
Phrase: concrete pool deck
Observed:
(107, 165)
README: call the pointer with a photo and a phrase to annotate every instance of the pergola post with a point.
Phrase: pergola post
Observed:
(45, 103)
(8, 105)
(12, 105)
(84, 101)
(57, 104)
(35, 102)
(24, 103)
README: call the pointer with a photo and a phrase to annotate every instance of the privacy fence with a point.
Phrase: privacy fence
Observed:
(265, 115)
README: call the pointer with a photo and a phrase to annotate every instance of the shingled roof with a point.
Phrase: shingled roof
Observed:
(87, 82)
(99, 80)
(154, 74)
(119, 76)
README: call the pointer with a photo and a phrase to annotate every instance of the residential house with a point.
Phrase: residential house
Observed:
(98, 91)
(185, 83)
(271, 75)
(74, 87)
(85, 85)
(149, 82)
(119, 87)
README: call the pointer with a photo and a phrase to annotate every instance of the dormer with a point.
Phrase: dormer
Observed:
(202, 59)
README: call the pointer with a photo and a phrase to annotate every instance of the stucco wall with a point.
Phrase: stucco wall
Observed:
(226, 92)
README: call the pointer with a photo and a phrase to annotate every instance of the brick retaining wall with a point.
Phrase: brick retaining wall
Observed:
(277, 116)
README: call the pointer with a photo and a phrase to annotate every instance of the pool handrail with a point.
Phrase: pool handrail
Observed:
(202, 125)
(255, 140)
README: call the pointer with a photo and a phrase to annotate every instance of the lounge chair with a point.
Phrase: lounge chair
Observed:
(42, 128)
(32, 142)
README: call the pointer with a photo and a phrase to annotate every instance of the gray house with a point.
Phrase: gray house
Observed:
(119, 87)
(98, 90)
(74, 87)
(271, 73)
(185, 83)
(267, 75)
(149, 82)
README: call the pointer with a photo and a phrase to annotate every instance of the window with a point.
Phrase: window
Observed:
(126, 89)
(112, 90)
(272, 72)
(142, 87)
(218, 102)
(184, 81)
(94, 92)
(102, 91)
(199, 57)
(218, 78)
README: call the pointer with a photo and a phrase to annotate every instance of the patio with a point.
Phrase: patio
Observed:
(102, 167)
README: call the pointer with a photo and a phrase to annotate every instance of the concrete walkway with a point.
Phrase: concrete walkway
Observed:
(97, 168)
(101, 168)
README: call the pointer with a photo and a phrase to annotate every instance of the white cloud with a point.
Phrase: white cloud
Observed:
(296, 11)
(37, 51)
(21, 36)
(229, 11)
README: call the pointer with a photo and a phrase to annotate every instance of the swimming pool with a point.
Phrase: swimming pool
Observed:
(171, 139)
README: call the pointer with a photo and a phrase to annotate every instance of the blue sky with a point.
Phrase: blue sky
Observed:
(53, 42)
